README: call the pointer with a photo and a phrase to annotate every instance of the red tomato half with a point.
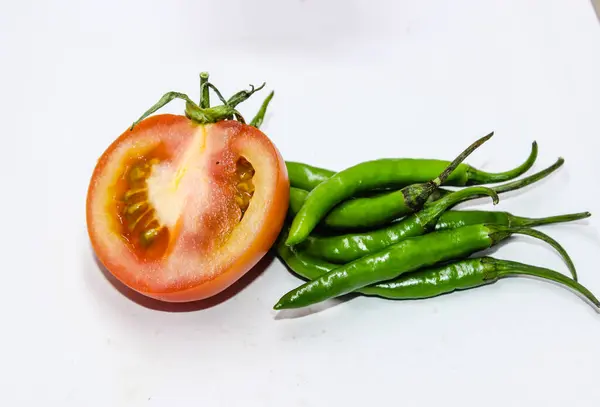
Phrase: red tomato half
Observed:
(179, 211)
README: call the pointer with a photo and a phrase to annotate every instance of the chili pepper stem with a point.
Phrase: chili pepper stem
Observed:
(518, 184)
(507, 268)
(446, 173)
(432, 211)
(521, 183)
(520, 221)
(482, 177)
(457, 196)
(260, 115)
(416, 195)
(502, 232)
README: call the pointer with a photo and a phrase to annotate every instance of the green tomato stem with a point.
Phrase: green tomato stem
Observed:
(202, 113)
(204, 91)
(260, 115)
(243, 95)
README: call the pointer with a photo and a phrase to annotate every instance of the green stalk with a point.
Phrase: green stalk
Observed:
(520, 221)
(483, 177)
(257, 121)
(513, 185)
(503, 232)
(204, 91)
(507, 268)
(200, 114)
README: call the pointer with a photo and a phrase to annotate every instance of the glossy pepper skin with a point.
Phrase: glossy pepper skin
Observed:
(466, 274)
(299, 262)
(351, 246)
(365, 177)
(307, 177)
(409, 255)
(433, 281)
(382, 208)
(419, 284)
(448, 220)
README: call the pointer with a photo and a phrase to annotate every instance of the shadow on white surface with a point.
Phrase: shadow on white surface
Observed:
(157, 305)
(313, 309)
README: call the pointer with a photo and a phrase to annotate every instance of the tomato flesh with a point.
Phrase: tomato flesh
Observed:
(179, 211)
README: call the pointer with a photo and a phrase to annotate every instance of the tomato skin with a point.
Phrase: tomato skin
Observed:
(194, 267)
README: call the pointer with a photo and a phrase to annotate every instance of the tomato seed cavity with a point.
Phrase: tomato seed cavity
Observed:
(245, 186)
(139, 225)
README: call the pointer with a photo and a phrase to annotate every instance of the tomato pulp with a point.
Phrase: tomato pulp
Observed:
(179, 211)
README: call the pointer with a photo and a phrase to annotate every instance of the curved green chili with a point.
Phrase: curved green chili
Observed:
(433, 281)
(308, 177)
(351, 246)
(365, 177)
(409, 255)
(381, 209)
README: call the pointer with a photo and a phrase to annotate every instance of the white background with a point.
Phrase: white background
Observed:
(354, 80)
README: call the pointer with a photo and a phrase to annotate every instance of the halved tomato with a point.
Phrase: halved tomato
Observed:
(179, 211)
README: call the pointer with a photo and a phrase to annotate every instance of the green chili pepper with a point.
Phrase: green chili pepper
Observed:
(433, 281)
(409, 255)
(382, 209)
(351, 246)
(307, 177)
(364, 177)
(466, 274)
(301, 263)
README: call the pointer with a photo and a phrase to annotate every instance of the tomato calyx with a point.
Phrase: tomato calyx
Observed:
(202, 113)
